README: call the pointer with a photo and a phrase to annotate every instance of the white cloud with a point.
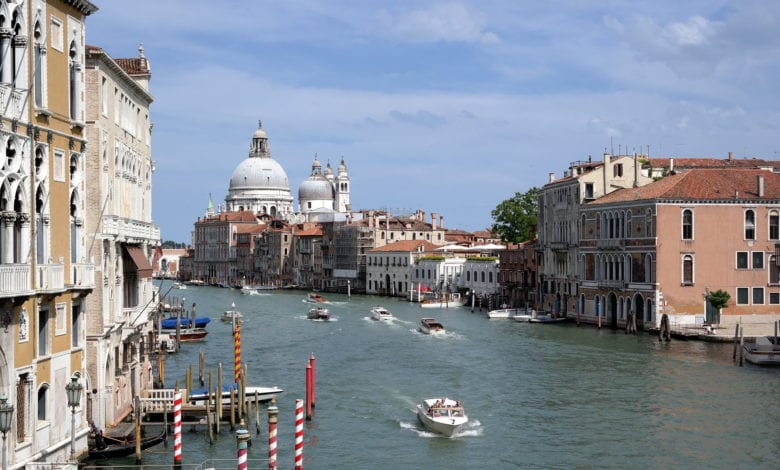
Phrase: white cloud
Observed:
(451, 22)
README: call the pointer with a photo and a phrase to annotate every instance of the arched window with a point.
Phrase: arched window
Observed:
(774, 225)
(687, 270)
(42, 392)
(687, 224)
(750, 225)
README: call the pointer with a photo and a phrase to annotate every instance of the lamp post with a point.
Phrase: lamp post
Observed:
(6, 413)
(73, 390)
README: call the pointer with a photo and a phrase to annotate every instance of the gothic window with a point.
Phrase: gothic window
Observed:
(73, 81)
(38, 66)
(42, 392)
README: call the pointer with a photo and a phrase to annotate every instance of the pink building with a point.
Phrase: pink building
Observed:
(662, 248)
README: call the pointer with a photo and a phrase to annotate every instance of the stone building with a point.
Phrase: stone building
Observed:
(121, 235)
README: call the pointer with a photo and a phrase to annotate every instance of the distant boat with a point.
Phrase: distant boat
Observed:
(313, 297)
(170, 323)
(319, 313)
(231, 315)
(547, 318)
(166, 342)
(249, 290)
(198, 395)
(179, 285)
(518, 314)
(430, 326)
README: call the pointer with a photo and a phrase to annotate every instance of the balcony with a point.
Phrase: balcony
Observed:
(50, 278)
(129, 230)
(14, 280)
(82, 276)
(611, 243)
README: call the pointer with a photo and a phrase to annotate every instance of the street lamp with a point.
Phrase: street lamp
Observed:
(73, 390)
(6, 413)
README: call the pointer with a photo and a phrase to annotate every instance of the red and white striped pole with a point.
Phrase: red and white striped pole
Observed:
(242, 436)
(312, 362)
(273, 413)
(237, 352)
(177, 428)
(298, 434)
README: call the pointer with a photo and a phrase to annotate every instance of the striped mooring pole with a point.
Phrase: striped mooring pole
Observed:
(242, 436)
(237, 352)
(177, 428)
(313, 364)
(273, 414)
(298, 434)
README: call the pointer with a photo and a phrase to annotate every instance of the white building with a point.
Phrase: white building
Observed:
(388, 267)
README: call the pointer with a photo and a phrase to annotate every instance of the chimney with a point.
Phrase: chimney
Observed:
(636, 170)
(441, 221)
(760, 181)
(550, 177)
(731, 156)
(433, 220)
(671, 165)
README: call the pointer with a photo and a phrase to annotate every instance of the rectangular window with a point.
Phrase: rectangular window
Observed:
(758, 260)
(774, 226)
(43, 332)
(774, 298)
(75, 321)
(742, 260)
(104, 96)
(60, 320)
(589, 191)
(774, 271)
(742, 295)
(59, 165)
(758, 296)
(56, 33)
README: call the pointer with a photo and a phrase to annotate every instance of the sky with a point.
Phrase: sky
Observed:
(446, 106)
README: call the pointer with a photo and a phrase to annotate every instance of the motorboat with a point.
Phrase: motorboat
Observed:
(179, 285)
(442, 415)
(229, 316)
(188, 335)
(518, 314)
(318, 313)
(197, 396)
(381, 314)
(170, 323)
(315, 298)
(546, 318)
(103, 446)
(430, 326)
(764, 351)
(247, 290)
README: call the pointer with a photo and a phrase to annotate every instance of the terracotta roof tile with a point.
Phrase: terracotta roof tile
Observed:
(406, 246)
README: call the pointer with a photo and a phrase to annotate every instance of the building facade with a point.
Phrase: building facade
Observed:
(121, 236)
(45, 268)
(389, 267)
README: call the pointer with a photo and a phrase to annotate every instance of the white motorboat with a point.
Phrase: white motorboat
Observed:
(518, 314)
(247, 290)
(546, 318)
(198, 396)
(381, 314)
(319, 313)
(229, 316)
(442, 415)
(179, 285)
(430, 326)
(763, 352)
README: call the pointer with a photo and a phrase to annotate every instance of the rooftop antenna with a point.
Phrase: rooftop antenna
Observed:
(611, 145)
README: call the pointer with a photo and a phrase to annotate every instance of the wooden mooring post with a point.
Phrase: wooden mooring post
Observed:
(736, 342)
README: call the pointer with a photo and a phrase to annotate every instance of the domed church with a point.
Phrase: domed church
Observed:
(259, 183)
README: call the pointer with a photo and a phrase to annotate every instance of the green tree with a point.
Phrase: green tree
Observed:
(719, 298)
(514, 219)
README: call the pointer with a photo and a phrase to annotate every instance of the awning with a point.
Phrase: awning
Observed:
(140, 260)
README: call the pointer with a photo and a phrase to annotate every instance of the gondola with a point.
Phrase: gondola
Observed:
(112, 447)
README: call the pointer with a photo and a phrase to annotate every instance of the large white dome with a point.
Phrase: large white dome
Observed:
(315, 187)
(259, 173)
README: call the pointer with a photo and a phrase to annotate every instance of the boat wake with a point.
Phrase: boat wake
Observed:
(448, 335)
(304, 317)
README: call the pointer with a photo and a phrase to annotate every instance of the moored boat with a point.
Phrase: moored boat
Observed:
(546, 318)
(170, 323)
(442, 415)
(318, 313)
(188, 335)
(763, 352)
(381, 314)
(104, 446)
(166, 342)
(198, 396)
(518, 314)
(430, 326)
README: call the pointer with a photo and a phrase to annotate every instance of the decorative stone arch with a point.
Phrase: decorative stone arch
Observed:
(639, 304)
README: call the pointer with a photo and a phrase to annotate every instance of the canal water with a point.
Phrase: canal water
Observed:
(538, 396)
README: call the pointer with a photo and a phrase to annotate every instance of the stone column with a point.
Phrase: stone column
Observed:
(24, 221)
(7, 221)
(6, 63)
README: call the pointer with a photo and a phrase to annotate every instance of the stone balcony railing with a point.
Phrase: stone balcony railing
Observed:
(82, 275)
(130, 230)
(14, 280)
(50, 277)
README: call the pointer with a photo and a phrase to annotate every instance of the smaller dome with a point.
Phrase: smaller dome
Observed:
(342, 167)
(315, 188)
(260, 132)
(328, 170)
